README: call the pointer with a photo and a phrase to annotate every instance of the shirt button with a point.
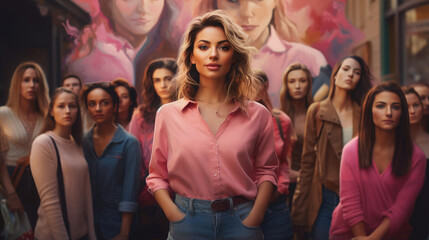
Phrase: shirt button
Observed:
(215, 174)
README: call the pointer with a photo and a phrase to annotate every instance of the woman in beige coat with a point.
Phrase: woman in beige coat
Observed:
(330, 124)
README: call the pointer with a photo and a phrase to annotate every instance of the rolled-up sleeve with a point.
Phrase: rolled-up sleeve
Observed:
(130, 192)
(158, 173)
(265, 161)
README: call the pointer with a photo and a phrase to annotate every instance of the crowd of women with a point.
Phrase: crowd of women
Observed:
(206, 156)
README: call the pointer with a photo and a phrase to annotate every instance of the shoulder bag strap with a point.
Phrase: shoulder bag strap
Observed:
(61, 190)
(279, 124)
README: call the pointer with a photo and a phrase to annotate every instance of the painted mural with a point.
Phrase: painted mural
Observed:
(124, 35)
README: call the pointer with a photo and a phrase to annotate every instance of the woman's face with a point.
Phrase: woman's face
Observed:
(423, 92)
(386, 111)
(253, 16)
(348, 75)
(64, 110)
(124, 99)
(212, 54)
(136, 17)
(297, 84)
(29, 85)
(100, 106)
(162, 82)
(415, 108)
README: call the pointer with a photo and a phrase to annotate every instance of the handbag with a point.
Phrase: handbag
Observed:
(61, 190)
(16, 225)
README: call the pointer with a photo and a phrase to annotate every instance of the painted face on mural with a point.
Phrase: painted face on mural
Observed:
(136, 17)
(253, 16)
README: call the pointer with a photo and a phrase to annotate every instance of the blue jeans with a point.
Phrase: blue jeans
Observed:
(200, 222)
(277, 223)
(322, 224)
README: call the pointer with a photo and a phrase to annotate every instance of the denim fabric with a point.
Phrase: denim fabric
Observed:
(115, 177)
(200, 222)
(322, 224)
(277, 223)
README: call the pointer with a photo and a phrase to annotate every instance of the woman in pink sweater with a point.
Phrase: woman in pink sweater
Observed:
(381, 172)
(62, 130)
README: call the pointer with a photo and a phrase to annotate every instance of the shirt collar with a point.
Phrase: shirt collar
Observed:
(107, 39)
(274, 42)
(184, 102)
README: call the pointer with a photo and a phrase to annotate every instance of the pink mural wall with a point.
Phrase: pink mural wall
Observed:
(125, 35)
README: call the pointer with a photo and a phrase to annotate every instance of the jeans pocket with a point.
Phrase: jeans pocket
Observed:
(241, 212)
(184, 211)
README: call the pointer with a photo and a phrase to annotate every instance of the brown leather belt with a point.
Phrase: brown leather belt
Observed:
(220, 205)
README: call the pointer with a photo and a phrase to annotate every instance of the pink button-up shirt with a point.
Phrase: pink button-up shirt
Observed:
(195, 163)
(277, 54)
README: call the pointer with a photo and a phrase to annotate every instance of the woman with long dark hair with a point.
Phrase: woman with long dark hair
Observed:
(113, 157)
(60, 148)
(127, 101)
(158, 89)
(382, 171)
(330, 124)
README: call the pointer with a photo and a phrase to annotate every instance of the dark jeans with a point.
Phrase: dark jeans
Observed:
(277, 223)
(322, 224)
(28, 194)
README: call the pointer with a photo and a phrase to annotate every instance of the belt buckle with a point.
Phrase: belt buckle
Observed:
(219, 205)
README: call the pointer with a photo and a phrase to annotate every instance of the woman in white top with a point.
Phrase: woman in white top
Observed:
(21, 120)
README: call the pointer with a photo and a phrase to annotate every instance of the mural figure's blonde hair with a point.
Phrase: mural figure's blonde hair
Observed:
(240, 82)
(42, 101)
(284, 26)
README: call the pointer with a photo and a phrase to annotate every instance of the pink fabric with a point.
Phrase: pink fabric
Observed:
(111, 57)
(77, 188)
(282, 149)
(276, 55)
(366, 195)
(194, 163)
(144, 134)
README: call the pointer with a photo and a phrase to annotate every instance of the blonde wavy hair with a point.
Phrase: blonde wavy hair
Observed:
(42, 101)
(241, 84)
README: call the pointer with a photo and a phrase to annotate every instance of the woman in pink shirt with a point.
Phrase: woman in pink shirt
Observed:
(67, 216)
(213, 147)
(382, 171)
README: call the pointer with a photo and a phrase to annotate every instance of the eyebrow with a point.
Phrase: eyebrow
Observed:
(353, 68)
(202, 40)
